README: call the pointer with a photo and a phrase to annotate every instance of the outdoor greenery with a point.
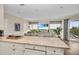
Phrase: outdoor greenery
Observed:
(57, 31)
(75, 32)
(35, 31)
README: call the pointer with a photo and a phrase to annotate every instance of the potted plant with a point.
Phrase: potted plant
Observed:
(57, 31)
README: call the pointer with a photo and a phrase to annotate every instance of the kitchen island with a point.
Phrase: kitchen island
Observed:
(32, 45)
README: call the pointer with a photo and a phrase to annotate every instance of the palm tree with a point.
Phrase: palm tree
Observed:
(57, 31)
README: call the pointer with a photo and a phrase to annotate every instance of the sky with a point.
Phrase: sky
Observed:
(74, 24)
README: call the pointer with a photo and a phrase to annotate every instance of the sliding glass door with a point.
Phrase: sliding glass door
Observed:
(74, 30)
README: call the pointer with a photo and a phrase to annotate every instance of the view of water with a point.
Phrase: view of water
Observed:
(42, 26)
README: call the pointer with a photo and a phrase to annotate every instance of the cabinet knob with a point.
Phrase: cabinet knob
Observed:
(13, 49)
(13, 45)
(54, 51)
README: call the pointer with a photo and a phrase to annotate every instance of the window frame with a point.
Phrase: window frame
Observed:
(17, 26)
(69, 30)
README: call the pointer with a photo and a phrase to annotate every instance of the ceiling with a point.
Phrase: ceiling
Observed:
(42, 11)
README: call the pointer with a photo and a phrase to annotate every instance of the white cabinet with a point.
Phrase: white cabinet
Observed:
(9, 48)
(33, 52)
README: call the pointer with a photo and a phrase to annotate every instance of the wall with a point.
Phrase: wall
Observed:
(10, 21)
(1, 17)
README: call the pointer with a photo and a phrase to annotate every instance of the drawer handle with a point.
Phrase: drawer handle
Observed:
(13, 45)
(54, 51)
(13, 49)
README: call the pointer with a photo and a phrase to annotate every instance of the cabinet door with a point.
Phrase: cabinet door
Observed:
(33, 52)
(19, 49)
(55, 51)
(6, 48)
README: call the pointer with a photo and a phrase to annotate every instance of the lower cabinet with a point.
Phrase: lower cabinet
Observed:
(8, 48)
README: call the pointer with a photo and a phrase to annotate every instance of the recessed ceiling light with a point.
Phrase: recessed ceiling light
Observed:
(61, 7)
(21, 4)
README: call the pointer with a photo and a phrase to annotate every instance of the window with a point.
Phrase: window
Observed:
(17, 27)
(43, 26)
(74, 30)
(54, 26)
(1, 32)
(33, 26)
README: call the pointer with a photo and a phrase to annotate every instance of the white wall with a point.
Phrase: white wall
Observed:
(10, 21)
(1, 17)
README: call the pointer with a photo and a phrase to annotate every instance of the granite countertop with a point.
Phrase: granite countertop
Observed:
(42, 41)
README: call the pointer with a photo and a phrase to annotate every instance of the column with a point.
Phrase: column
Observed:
(65, 29)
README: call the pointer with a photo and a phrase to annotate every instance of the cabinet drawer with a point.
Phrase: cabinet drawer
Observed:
(33, 52)
(18, 52)
(34, 47)
(6, 52)
(55, 51)
(9, 45)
